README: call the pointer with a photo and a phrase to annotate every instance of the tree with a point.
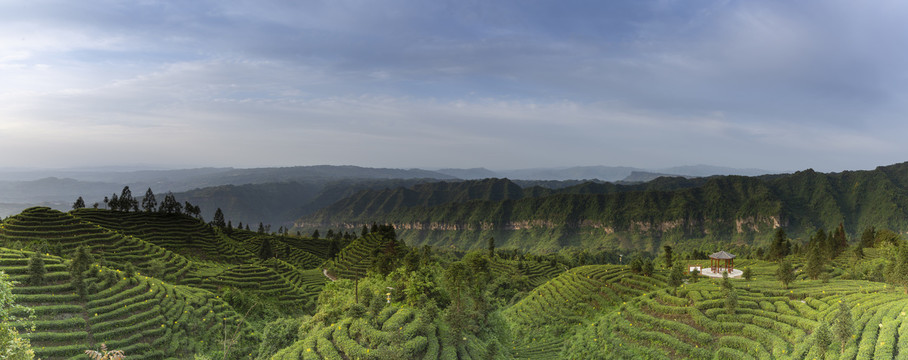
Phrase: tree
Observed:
(126, 200)
(731, 301)
(785, 273)
(265, 251)
(815, 259)
(114, 203)
(12, 345)
(668, 256)
(315, 234)
(218, 219)
(148, 202)
(648, 267)
(747, 274)
(676, 277)
(840, 241)
(81, 261)
(780, 247)
(821, 338)
(333, 249)
(79, 204)
(842, 324)
(36, 269)
(170, 205)
(636, 264)
(868, 237)
(726, 284)
(364, 232)
(898, 268)
(193, 210)
(491, 246)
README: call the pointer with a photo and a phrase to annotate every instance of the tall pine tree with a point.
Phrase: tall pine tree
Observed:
(266, 251)
(843, 324)
(79, 204)
(219, 219)
(148, 202)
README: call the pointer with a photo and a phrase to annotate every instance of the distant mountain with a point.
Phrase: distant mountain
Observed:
(605, 173)
(375, 203)
(34, 187)
(52, 189)
(644, 176)
(367, 204)
(470, 174)
(316, 186)
(738, 209)
(281, 203)
(709, 170)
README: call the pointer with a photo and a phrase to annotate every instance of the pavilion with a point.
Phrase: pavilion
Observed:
(721, 262)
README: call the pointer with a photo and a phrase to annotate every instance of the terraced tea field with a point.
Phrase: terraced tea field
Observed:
(768, 322)
(304, 253)
(541, 320)
(395, 333)
(537, 272)
(61, 233)
(354, 260)
(145, 317)
(179, 233)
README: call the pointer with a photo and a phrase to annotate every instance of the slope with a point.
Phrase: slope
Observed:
(145, 317)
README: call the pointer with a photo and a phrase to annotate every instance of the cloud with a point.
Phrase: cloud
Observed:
(498, 84)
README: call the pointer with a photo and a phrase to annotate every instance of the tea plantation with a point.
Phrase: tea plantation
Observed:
(168, 286)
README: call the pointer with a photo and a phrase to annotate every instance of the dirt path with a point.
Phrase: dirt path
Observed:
(329, 276)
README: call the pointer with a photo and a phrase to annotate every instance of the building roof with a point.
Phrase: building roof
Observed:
(721, 255)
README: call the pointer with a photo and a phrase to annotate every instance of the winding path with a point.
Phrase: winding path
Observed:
(329, 276)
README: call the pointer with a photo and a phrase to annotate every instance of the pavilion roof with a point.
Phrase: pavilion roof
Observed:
(721, 255)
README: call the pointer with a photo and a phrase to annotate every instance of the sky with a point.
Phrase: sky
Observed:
(778, 85)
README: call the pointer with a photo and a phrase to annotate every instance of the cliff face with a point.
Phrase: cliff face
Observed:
(728, 207)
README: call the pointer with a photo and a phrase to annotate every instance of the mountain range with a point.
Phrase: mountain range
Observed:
(248, 195)
(734, 209)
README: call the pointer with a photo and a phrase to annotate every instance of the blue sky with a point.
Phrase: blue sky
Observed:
(778, 85)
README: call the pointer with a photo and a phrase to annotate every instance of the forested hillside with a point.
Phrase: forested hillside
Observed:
(734, 209)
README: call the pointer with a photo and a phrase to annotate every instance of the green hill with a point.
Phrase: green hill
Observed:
(180, 233)
(60, 233)
(155, 288)
(729, 209)
(147, 318)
